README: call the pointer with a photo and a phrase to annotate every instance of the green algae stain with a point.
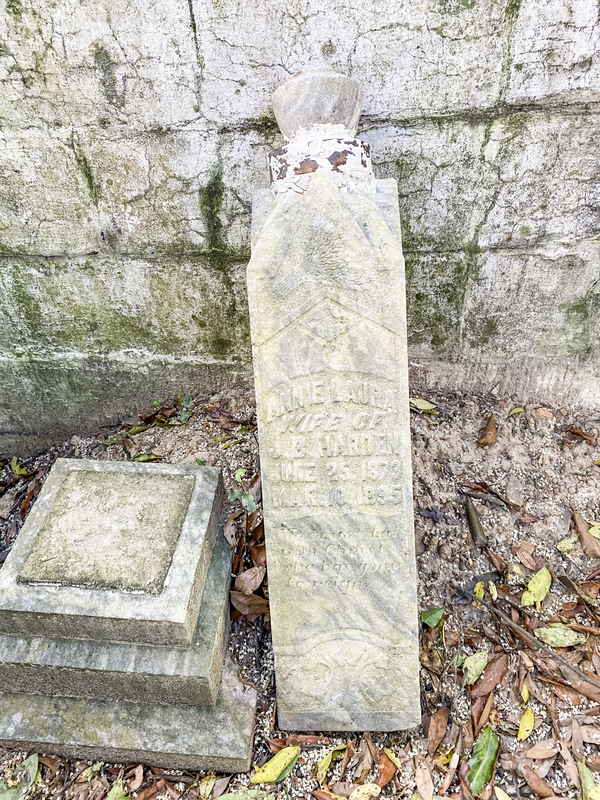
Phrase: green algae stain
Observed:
(512, 9)
(107, 69)
(14, 8)
(581, 319)
(211, 197)
(266, 126)
(86, 170)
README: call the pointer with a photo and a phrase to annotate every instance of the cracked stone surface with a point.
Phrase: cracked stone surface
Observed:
(134, 134)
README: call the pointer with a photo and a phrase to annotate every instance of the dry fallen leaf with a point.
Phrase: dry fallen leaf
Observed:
(589, 544)
(590, 734)
(251, 605)
(230, 529)
(137, 779)
(249, 581)
(437, 729)
(488, 435)
(387, 770)
(545, 749)
(535, 783)
(491, 677)
(424, 780)
(366, 791)
(343, 788)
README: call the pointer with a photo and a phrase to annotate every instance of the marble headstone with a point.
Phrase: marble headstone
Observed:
(328, 321)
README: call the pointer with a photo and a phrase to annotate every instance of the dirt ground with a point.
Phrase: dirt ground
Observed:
(532, 489)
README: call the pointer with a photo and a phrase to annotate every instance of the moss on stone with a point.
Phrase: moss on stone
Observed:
(107, 69)
(581, 319)
(14, 8)
(85, 169)
(512, 9)
(265, 125)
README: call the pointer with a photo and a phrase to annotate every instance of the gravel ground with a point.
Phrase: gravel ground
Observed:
(542, 465)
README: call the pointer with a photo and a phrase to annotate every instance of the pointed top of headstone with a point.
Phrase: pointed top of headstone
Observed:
(317, 95)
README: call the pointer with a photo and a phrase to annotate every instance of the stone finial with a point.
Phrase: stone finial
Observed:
(317, 96)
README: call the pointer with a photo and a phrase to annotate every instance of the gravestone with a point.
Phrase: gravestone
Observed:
(328, 322)
(114, 604)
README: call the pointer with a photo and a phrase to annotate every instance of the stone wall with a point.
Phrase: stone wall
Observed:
(133, 134)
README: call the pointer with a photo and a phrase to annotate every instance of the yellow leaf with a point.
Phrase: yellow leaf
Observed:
(524, 693)
(422, 405)
(526, 725)
(366, 791)
(501, 794)
(206, 785)
(516, 410)
(537, 588)
(272, 770)
(393, 758)
(493, 590)
(566, 545)
(325, 762)
(594, 794)
(479, 590)
(595, 531)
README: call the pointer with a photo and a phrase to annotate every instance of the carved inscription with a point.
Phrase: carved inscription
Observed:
(335, 443)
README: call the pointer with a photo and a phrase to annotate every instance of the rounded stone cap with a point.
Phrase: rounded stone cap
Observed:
(318, 95)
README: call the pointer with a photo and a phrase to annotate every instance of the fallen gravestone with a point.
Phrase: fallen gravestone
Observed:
(113, 621)
(328, 321)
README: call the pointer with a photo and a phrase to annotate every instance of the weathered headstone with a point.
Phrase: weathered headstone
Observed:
(328, 320)
(114, 604)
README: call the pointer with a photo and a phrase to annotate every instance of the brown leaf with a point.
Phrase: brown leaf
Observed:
(365, 761)
(535, 783)
(137, 779)
(174, 793)
(53, 763)
(491, 677)
(424, 780)
(231, 530)
(485, 714)
(34, 489)
(387, 770)
(476, 710)
(583, 687)
(148, 793)
(544, 749)
(577, 740)
(574, 433)
(524, 556)
(437, 729)
(219, 787)
(589, 544)
(255, 488)
(344, 788)
(570, 767)
(291, 741)
(249, 581)
(323, 794)
(251, 605)
(468, 736)
(590, 733)
(259, 555)
(463, 771)
(488, 435)
(452, 766)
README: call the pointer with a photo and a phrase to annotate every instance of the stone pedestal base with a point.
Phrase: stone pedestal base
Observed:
(113, 621)
(173, 737)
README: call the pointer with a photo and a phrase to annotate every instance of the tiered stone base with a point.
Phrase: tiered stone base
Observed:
(113, 567)
(174, 737)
